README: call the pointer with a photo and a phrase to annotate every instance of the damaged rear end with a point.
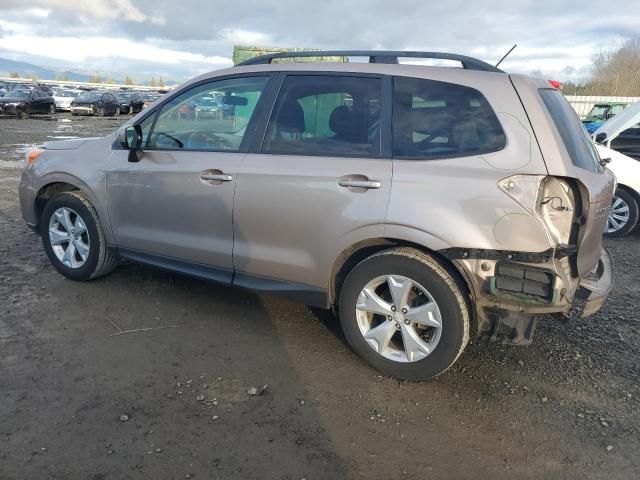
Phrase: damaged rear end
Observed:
(572, 278)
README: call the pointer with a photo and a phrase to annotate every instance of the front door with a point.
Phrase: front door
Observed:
(176, 203)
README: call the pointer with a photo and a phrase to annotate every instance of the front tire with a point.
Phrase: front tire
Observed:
(623, 215)
(117, 114)
(73, 239)
(52, 109)
(405, 314)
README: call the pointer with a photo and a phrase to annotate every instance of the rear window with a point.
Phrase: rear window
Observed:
(433, 119)
(576, 140)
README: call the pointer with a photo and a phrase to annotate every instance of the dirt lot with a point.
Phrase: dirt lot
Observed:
(71, 370)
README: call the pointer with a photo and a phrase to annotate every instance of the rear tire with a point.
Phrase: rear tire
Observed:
(428, 349)
(85, 225)
(623, 216)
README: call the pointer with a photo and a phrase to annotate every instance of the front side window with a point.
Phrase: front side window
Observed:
(194, 121)
(326, 115)
(433, 119)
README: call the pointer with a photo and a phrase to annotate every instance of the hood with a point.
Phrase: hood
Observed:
(8, 99)
(619, 123)
(70, 144)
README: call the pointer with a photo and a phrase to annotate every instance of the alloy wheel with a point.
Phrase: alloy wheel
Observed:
(618, 215)
(69, 237)
(398, 318)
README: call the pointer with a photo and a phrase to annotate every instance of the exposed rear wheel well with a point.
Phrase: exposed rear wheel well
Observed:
(358, 252)
(49, 191)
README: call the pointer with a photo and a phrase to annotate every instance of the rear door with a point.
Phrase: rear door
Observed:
(318, 182)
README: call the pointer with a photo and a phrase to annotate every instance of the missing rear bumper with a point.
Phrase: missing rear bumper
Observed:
(507, 327)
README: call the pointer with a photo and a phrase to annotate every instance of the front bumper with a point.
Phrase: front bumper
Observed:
(27, 196)
(11, 109)
(79, 110)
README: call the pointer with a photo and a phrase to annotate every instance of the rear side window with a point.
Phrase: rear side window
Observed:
(326, 115)
(581, 150)
(433, 119)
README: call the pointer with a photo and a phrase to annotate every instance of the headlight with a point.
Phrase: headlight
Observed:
(32, 155)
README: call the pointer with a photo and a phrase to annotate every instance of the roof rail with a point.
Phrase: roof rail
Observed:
(376, 56)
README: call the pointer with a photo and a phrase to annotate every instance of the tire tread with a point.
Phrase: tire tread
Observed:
(108, 259)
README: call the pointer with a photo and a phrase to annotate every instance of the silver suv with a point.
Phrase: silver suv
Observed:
(425, 205)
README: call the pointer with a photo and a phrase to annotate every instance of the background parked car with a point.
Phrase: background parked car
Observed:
(628, 142)
(130, 102)
(45, 88)
(600, 113)
(26, 102)
(149, 98)
(209, 107)
(63, 98)
(624, 213)
(95, 103)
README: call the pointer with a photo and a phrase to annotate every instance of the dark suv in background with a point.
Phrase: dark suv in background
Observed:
(99, 103)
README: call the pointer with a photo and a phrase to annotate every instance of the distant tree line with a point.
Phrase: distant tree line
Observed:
(97, 79)
(613, 72)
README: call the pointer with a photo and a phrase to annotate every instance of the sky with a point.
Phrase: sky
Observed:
(178, 39)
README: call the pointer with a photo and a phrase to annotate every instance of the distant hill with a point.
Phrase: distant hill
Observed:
(27, 70)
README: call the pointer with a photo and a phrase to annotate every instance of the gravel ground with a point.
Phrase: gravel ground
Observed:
(82, 396)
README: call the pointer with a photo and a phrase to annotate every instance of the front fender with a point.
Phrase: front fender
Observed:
(96, 192)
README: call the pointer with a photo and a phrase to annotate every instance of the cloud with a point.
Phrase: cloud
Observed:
(555, 38)
(99, 10)
(81, 49)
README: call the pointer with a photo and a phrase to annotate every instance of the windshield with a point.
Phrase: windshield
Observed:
(20, 94)
(575, 138)
(598, 111)
(90, 96)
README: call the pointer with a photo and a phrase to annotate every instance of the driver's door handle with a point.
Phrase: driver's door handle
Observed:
(216, 177)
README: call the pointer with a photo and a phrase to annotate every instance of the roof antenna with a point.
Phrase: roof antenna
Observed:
(506, 54)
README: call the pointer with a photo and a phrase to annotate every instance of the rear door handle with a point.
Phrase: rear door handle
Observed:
(221, 177)
(360, 183)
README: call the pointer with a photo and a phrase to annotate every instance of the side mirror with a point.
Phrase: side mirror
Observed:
(601, 137)
(130, 138)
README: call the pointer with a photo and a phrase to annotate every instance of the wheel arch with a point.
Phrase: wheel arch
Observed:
(47, 192)
(356, 253)
(59, 182)
(631, 191)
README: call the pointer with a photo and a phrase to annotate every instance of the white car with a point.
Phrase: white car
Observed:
(64, 97)
(623, 216)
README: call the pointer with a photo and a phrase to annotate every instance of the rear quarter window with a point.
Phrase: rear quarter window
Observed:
(576, 140)
(433, 119)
